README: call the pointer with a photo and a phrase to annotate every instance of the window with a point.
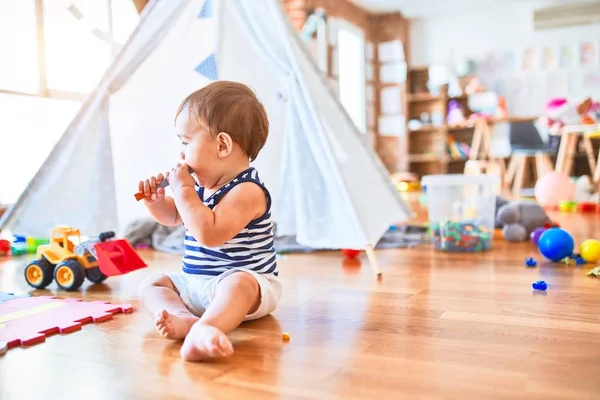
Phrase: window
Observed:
(43, 85)
(351, 73)
(18, 44)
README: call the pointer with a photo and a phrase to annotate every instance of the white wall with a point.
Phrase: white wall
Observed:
(453, 37)
(438, 38)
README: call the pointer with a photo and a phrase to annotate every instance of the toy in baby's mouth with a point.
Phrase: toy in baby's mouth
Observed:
(519, 218)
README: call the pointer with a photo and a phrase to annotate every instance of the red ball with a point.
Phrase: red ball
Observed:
(350, 253)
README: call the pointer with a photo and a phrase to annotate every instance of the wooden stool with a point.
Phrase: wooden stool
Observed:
(593, 163)
(515, 174)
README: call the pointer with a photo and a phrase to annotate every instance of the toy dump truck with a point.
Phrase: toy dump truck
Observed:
(69, 261)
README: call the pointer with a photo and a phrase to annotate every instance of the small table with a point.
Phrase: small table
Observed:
(568, 147)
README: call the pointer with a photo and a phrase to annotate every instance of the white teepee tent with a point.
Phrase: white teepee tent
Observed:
(329, 189)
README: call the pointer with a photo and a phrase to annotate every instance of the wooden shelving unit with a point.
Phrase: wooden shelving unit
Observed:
(427, 147)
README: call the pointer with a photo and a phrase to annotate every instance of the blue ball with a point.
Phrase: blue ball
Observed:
(555, 244)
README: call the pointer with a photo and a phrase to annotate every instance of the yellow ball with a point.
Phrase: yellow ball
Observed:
(590, 250)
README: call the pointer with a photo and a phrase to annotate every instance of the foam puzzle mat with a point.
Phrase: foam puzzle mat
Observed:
(25, 321)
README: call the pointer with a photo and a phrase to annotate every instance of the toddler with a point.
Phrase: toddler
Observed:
(229, 272)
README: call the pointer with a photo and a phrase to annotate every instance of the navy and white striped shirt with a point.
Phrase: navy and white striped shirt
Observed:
(251, 249)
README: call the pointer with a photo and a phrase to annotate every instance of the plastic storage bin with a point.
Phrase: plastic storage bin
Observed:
(461, 211)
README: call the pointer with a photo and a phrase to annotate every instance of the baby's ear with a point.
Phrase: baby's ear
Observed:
(225, 144)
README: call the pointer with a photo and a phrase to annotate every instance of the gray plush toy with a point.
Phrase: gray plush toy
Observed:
(519, 218)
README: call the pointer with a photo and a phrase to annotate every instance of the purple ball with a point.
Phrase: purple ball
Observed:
(535, 235)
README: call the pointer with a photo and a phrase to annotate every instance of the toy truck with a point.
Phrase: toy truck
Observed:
(69, 261)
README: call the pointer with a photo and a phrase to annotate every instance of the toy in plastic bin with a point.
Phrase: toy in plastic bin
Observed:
(69, 261)
(461, 211)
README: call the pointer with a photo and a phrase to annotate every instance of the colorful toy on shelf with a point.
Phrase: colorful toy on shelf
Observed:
(457, 150)
(455, 116)
(558, 113)
(27, 320)
(556, 244)
(588, 111)
(590, 250)
(69, 261)
(474, 86)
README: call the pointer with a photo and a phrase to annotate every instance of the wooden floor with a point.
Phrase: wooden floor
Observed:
(436, 326)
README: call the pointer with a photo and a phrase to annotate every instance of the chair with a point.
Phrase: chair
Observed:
(527, 148)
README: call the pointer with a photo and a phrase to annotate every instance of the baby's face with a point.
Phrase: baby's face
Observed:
(198, 147)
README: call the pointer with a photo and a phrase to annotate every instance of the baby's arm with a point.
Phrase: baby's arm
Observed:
(164, 212)
(212, 228)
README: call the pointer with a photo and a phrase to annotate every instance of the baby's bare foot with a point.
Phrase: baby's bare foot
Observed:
(205, 341)
(173, 326)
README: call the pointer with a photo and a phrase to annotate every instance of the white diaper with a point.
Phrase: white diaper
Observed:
(197, 291)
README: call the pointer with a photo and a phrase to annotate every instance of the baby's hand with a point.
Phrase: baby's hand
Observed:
(149, 187)
(180, 177)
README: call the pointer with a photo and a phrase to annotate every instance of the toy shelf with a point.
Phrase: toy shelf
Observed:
(434, 147)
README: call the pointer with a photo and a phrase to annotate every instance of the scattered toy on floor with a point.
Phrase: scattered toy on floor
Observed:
(594, 272)
(535, 235)
(350, 253)
(539, 285)
(285, 337)
(530, 262)
(552, 188)
(555, 244)
(519, 219)
(590, 250)
(4, 247)
(27, 320)
(68, 261)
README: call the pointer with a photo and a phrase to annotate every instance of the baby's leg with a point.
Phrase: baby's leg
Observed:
(161, 299)
(236, 296)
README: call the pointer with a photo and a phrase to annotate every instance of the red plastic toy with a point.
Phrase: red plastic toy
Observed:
(350, 253)
(4, 247)
(587, 207)
(25, 321)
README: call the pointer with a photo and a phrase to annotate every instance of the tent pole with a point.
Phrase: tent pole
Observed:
(373, 260)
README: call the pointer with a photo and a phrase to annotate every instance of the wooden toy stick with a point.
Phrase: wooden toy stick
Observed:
(163, 184)
(373, 260)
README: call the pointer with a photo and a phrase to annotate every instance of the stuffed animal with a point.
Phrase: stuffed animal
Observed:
(519, 218)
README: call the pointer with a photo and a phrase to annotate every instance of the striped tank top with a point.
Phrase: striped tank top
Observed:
(250, 249)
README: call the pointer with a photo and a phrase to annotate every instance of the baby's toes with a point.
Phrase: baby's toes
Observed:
(160, 316)
(221, 346)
